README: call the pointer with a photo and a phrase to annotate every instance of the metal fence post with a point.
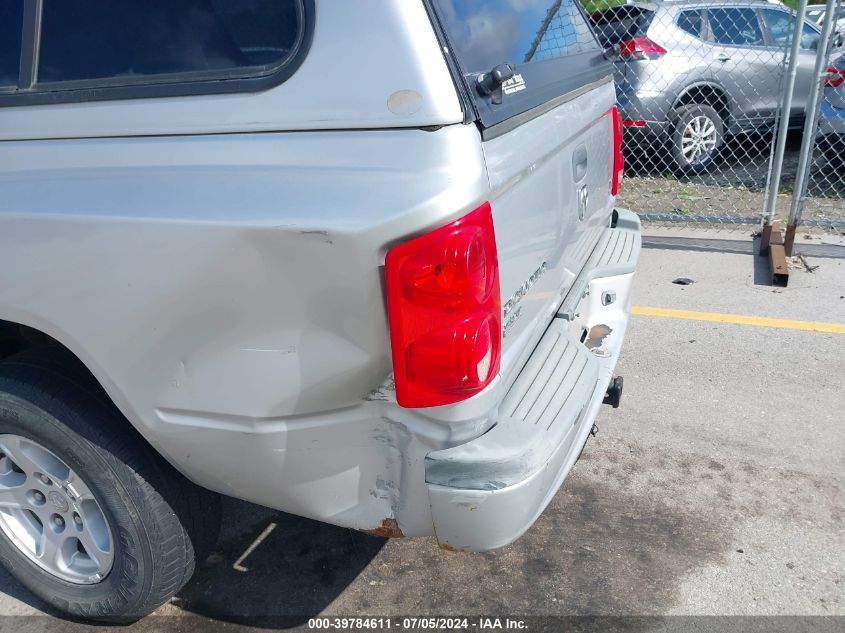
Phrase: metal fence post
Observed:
(808, 143)
(783, 130)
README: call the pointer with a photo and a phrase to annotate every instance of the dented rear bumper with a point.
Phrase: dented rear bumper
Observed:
(486, 493)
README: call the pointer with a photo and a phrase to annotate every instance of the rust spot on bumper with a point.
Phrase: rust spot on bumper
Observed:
(389, 528)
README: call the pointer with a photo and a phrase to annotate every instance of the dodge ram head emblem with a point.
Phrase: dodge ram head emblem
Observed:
(58, 501)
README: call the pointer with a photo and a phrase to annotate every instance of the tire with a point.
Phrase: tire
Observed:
(158, 523)
(684, 121)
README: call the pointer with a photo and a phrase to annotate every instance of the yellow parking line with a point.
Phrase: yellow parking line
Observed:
(739, 319)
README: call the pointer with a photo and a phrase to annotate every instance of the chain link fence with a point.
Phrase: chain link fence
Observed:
(701, 89)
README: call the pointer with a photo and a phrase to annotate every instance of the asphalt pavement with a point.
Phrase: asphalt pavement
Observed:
(717, 489)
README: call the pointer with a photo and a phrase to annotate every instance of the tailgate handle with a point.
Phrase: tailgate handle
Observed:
(579, 163)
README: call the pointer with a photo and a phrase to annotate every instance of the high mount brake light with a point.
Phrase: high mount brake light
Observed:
(445, 313)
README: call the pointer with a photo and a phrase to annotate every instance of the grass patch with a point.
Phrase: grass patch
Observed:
(598, 5)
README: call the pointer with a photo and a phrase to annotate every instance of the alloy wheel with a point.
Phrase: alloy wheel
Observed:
(51, 515)
(699, 139)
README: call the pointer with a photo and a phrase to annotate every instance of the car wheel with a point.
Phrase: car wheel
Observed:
(92, 520)
(697, 138)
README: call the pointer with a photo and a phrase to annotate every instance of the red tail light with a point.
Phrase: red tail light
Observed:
(617, 160)
(641, 48)
(835, 77)
(444, 310)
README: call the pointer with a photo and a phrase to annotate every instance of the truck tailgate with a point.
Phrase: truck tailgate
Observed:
(551, 198)
(538, 86)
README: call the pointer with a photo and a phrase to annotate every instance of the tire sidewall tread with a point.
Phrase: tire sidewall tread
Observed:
(135, 487)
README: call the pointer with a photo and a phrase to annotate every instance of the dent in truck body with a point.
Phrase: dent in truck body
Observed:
(279, 368)
(252, 335)
(226, 289)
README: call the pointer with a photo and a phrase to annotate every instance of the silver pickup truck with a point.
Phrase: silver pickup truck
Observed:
(359, 262)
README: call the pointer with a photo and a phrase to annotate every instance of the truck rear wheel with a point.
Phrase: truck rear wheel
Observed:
(92, 520)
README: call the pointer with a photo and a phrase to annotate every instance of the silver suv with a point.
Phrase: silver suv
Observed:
(831, 131)
(359, 262)
(689, 74)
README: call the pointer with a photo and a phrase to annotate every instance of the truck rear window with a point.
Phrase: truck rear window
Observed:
(83, 50)
(548, 42)
(11, 20)
(100, 39)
